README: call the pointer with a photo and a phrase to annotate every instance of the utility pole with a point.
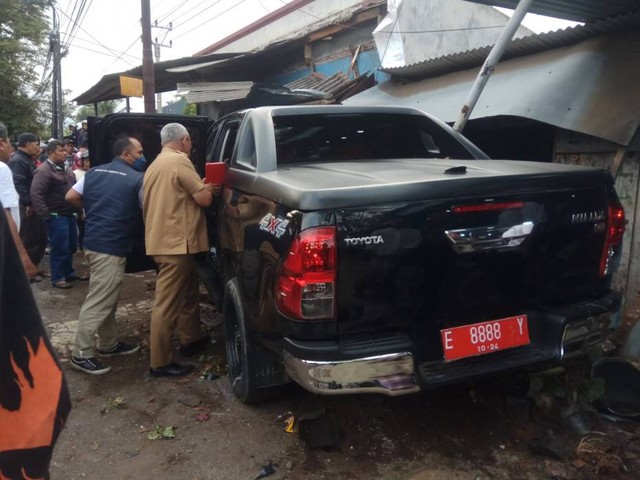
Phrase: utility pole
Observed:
(56, 93)
(490, 63)
(148, 74)
(156, 52)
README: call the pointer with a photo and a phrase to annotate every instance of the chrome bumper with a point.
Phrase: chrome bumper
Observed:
(391, 374)
(580, 336)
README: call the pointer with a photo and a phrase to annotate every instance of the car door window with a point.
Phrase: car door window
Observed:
(245, 157)
(228, 141)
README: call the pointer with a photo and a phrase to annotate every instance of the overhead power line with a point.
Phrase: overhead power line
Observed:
(209, 19)
(114, 52)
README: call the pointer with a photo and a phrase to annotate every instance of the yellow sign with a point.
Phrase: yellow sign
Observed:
(130, 86)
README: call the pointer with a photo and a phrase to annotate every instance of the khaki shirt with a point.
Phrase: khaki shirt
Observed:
(174, 223)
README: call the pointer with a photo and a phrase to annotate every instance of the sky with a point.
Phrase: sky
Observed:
(106, 38)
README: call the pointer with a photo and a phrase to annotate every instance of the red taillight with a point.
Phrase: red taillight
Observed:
(305, 288)
(487, 207)
(613, 238)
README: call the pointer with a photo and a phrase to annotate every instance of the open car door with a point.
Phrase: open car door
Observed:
(146, 128)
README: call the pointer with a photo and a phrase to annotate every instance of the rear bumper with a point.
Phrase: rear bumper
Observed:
(391, 374)
(389, 364)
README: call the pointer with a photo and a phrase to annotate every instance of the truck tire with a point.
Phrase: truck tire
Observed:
(255, 373)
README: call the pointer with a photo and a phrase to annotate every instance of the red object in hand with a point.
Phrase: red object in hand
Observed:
(214, 172)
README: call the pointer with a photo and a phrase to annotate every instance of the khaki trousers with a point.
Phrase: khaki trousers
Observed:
(175, 306)
(98, 311)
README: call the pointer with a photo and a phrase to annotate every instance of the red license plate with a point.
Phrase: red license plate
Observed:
(485, 337)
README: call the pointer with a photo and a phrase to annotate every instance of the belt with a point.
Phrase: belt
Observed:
(54, 214)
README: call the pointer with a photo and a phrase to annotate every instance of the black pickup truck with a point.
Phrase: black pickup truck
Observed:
(366, 249)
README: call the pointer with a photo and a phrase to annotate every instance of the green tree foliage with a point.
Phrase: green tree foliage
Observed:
(190, 109)
(24, 26)
(104, 108)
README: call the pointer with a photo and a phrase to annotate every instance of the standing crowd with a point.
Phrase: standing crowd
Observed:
(57, 202)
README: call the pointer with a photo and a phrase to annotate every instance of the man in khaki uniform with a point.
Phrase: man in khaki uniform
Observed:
(175, 230)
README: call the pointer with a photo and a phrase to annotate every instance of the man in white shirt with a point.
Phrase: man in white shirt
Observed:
(10, 202)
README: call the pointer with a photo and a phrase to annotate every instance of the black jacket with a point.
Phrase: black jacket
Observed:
(22, 167)
(50, 184)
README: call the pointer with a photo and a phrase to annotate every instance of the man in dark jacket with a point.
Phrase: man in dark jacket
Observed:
(111, 195)
(22, 165)
(50, 184)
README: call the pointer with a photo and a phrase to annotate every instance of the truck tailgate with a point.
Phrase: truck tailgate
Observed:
(423, 266)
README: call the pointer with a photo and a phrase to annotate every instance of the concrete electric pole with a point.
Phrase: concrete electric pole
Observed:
(156, 52)
(56, 93)
(148, 74)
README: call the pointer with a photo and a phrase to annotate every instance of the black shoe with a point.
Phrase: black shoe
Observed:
(171, 370)
(121, 348)
(89, 365)
(195, 347)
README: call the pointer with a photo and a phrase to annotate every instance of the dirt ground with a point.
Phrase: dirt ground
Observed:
(468, 432)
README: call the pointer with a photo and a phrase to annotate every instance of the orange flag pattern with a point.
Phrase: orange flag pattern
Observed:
(34, 399)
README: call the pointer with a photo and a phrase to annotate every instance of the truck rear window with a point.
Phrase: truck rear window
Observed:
(346, 137)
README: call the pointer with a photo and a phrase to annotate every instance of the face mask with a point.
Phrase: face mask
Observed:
(140, 164)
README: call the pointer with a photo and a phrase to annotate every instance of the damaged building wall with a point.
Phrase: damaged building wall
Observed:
(335, 53)
(418, 30)
(311, 16)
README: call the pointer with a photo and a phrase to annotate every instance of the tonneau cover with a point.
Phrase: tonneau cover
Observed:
(318, 186)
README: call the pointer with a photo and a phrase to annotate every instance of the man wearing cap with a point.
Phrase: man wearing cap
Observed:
(69, 148)
(83, 137)
(50, 184)
(22, 165)
(74, 133)
(111, 195)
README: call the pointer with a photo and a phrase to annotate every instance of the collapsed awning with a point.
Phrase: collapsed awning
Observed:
(335, 88)
(589, 87)
(108, 88)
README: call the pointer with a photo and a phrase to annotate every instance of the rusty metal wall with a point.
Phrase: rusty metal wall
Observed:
(579, 149)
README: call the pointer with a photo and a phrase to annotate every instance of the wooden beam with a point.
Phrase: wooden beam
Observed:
(356, 20)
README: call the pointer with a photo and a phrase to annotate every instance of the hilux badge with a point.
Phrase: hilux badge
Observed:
(586, 217)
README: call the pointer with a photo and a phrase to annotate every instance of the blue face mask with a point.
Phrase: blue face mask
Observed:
(140, 164)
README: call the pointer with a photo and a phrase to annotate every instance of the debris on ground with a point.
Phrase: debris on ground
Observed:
(211, 368)
(113, 404)
(556, 469)
(290, 425)
(599, 450)
(189, 400)
(319, 430)
(162, 433)
(202, 416)
(266, 470)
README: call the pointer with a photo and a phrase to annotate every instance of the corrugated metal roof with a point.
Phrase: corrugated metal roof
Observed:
(317, 81)
(577, 10)
(214, 91)
(517, 48)
(225, 91)
(590, 87)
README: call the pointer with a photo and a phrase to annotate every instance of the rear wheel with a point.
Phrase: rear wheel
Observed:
(255, 373)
